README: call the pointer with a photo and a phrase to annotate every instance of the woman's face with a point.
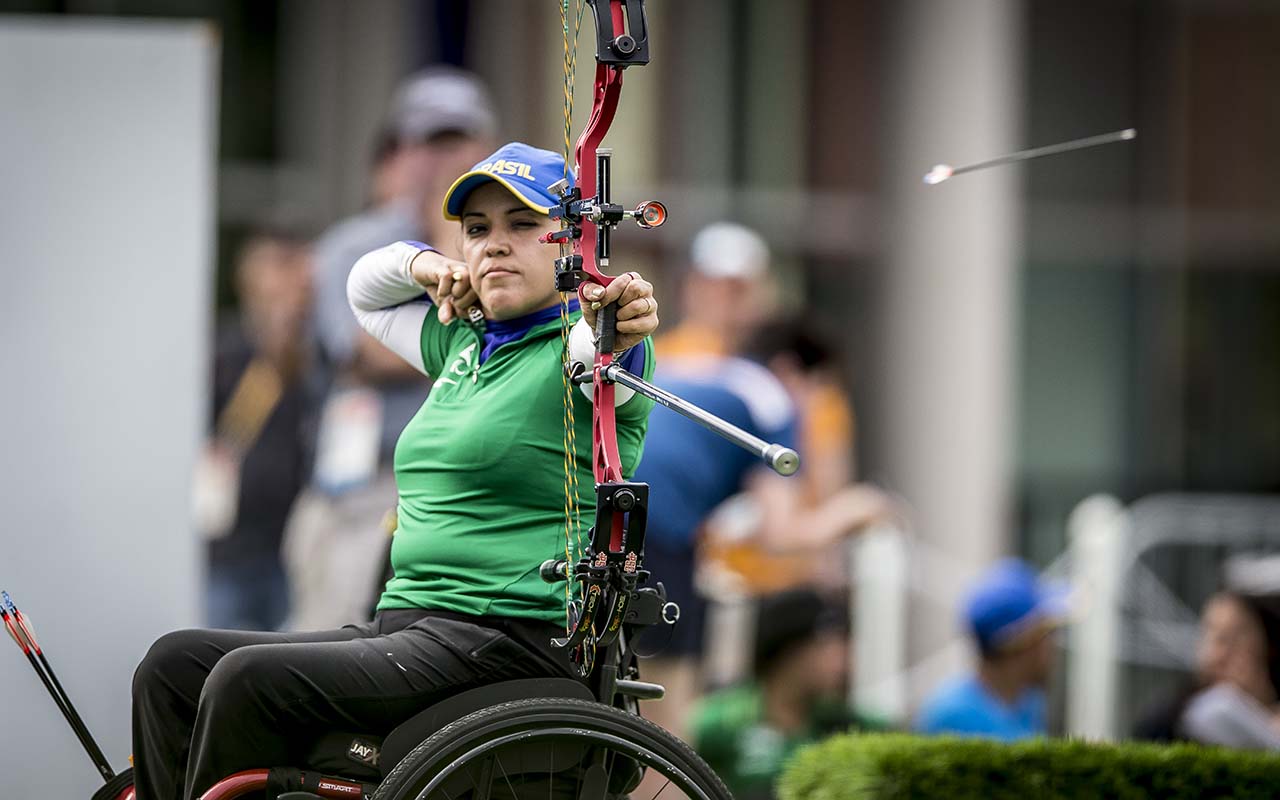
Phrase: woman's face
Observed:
(1231, 640)
(512, 272)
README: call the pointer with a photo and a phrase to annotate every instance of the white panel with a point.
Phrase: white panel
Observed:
(107, 147)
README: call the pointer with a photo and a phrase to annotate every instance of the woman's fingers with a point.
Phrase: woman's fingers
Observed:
(463, 293)
(444, 285)
(641, 306)
(637, 315)
(624, 290)
(639, 327)
(599, 296)
(466, 299)
(455, 292)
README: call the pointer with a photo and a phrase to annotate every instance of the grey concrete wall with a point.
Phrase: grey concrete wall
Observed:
(107, 148)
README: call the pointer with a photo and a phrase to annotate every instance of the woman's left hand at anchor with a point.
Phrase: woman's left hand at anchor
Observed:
(637, 308)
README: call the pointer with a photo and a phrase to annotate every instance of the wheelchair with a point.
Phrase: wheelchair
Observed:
(554, 738)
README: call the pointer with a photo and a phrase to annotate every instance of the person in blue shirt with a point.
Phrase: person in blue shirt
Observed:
(691, 470)
(1012, 617)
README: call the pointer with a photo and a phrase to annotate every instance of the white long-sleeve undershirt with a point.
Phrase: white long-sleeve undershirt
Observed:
(381, 291)
(383, 295)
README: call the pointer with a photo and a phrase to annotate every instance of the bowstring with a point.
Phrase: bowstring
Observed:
(572, 520)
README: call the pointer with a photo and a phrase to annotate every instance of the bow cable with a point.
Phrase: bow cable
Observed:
(572, 520)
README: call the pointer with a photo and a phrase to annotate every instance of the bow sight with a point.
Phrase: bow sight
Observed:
(599, 211)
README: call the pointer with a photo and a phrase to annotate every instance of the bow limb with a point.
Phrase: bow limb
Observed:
(607, 89)
(604, 440)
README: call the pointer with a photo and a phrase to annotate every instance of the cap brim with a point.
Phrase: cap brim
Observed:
(456, 197)
(1056, 604)
(1053, 610)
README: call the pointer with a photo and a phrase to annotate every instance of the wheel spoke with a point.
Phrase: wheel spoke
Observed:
(498, 760)
(486, 776)
(660, 791)
(577, 792)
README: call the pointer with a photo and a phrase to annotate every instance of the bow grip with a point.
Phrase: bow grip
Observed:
(606, 328)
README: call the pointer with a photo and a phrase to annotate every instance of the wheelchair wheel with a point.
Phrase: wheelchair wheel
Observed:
(553, 748)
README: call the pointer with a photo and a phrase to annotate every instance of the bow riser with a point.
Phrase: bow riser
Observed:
(609, 571)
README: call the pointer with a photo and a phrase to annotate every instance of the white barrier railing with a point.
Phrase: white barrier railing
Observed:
(1126, 613)
(1096, 531)
(880, 604)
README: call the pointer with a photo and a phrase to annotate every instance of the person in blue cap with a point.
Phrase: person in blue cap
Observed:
(480, 473)
(1011, 617)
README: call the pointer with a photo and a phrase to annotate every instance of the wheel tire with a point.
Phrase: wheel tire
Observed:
(588, 725)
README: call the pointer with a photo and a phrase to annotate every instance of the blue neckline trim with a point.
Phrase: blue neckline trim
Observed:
(528, 321)
(496, 334)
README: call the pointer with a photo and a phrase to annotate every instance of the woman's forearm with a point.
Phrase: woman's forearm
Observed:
(382, 293)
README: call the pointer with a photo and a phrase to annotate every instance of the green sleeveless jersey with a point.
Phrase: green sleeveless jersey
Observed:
(481, 474)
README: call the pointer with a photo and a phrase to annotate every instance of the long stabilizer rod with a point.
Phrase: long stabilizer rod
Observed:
(782, 460)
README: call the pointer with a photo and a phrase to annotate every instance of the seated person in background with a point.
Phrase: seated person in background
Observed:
(1012, 618)
(1232, 699)
(748, 733)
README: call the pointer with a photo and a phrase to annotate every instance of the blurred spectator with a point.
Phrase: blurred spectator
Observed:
(266, 395)
(1012, 617)
(1232, 698)
(442, 121)
(781, 533)
(692, 471)
(807, 365)
(726, 296)
(800, 668)
(387, 176)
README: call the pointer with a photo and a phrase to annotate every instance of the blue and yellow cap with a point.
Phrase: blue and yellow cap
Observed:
(1008, 601)
(525, 171)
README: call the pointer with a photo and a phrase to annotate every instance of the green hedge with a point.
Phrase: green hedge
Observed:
(898, 766)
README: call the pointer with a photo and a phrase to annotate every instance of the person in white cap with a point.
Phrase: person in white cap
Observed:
(726, 292)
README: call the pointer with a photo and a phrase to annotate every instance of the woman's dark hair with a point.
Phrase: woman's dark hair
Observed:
(789, 619)
(1265, 610)
(790, 336)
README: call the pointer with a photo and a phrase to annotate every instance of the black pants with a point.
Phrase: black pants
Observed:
(208, 703)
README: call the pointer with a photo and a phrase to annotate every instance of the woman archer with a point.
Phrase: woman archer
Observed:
(480, 473)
